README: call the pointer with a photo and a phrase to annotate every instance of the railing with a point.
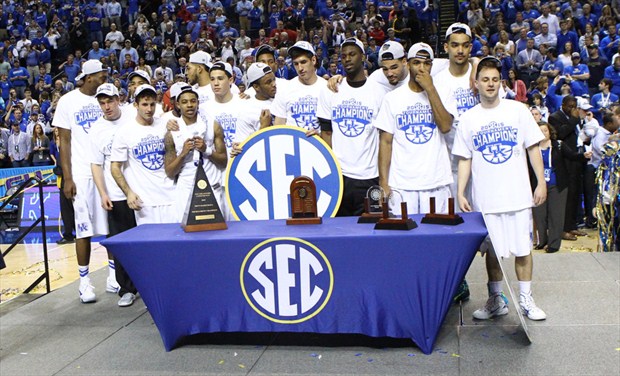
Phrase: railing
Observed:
(46, 275)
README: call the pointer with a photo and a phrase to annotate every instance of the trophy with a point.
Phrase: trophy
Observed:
(373, 205)
(303, 202)
(392, 223)
(202, 212)
(450, 219)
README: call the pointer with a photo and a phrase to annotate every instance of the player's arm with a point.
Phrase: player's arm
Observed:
(326, 130)
(173, 163)
(540, 193)
(264, 119)
(279, 121)
(65, 161)
(218, 156)
(97, 171)
(385, 159)
(464, 171)
(133, 200)
(443, 119)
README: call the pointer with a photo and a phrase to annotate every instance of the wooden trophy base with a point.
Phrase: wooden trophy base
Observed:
(443, 219)
(370, 217)
(450, 219)
(305, 221)
(396, 224)
(205, 227)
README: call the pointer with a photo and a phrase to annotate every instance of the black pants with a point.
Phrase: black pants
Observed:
(589, 192)
(355, 190)
(575, 184)
(549, 217)
(67, 213)
(121, 218)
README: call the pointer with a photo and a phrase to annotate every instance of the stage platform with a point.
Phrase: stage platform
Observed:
(56, 335)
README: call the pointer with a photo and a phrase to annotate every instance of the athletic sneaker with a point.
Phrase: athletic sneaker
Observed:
(529, 308)
(112, 286)
(87, 292)
(462, 294)
(497, 305)
(126, 300)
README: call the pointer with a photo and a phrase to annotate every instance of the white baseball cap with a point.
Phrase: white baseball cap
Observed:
(141, 73)
(391, 51)
(220, 65)
(355, 42)
(257, 71)
(458, 27)
(201, 57)
(415, 50)
(92, 66)
(142, 88)
(303, 46)
(583, 104)
(107, 89)
(176, 89)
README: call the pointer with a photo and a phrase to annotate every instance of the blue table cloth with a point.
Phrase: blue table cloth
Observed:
(265, 276)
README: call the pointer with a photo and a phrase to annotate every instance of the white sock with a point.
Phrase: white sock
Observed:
(525, 287)
(111, 269)
(495, 287)
(83, 274)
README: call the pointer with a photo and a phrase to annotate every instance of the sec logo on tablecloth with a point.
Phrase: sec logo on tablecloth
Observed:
(286, 280)
(258, 180)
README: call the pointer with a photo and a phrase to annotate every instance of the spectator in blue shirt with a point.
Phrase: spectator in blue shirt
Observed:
(602, 100)
(587, 18)
(610, 43)
(93, 20)
(18, 77)
(566, 35)
(71, 68)
(578, 74)
(552, 67)
(613, 73)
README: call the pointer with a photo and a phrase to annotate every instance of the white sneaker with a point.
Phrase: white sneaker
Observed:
(497, 305)
(112, 286)
(529, 308)
(87, 292)
(126, 300)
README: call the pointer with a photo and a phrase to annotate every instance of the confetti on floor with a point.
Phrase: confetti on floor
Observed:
(456, 355)
(358, 354)
(410, 354)
(220, 362)
(241, 365)
(370, 360)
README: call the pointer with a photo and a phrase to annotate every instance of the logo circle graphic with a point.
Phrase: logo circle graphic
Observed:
(286, 280)
(497, 153)
(201, 184)
(419, 133)
(258, 180)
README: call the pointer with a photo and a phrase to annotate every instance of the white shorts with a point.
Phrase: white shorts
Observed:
(510, 233)
(419, 202)
(156, 214)
(90, 218)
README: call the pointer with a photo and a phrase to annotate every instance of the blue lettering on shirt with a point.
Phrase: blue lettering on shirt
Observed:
(352, 117)
(495, 141)
(417, 122)
(87, 115)
(229, 126)
(150, 151)
(304, 112)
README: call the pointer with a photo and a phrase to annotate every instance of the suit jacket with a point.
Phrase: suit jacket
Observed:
(565, 127)
(560, 155)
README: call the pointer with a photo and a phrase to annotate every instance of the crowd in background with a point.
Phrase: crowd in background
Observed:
(548, 49)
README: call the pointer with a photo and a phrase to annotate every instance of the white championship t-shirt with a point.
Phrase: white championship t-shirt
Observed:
(142, 147)
(355, 141)
(298, 103)
(496, 140)
(77, 112)
(251, 109)
(230, 118)
(420, 159)
(102, 136)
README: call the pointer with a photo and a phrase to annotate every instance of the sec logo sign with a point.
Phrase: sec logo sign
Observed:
(286, 280)
(258, 180)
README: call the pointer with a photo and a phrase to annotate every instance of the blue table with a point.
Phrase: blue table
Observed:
(265, 276)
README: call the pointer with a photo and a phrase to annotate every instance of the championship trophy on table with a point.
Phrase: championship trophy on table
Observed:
(303, 202)
(202, 212)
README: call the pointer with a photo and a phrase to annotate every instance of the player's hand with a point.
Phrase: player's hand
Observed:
(386, 190)
(425, 80)
(464, 204)
(69, 188)
(265, 118)
(312, 132)
(540, 194)
(243, 96)
(199, 143)
(106, 203)
(333, 82)
(133, 201)
(236, 149)
(172, 125)
(587, 155)
(188, 146)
